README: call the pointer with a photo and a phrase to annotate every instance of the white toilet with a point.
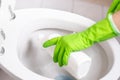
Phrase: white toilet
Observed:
(23, 57)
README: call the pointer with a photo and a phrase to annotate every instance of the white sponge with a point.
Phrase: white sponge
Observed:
(79, 63)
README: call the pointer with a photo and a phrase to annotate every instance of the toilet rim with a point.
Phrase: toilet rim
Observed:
(24, 73)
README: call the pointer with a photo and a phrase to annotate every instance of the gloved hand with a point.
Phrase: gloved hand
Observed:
(98, 32)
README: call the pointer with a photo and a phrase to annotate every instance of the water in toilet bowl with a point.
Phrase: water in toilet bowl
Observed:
(35, 57)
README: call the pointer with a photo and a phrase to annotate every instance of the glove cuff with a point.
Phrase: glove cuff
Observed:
(114, 27)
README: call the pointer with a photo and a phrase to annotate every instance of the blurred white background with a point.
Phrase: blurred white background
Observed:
(94, 9)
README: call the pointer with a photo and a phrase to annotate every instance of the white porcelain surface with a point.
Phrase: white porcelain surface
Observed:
(6, 7)
(22, 58)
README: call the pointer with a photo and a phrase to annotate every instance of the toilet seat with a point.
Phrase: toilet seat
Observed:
(30, 17)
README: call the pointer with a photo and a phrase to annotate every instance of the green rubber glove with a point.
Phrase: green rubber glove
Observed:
(115, 6)
(98, 32)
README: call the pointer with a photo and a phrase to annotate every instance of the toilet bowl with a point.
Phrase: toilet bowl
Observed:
(24, 58)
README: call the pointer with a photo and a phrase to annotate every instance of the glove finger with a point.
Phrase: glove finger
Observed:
(50, 42)
(66, 57)
(60, 56)
(56, 52)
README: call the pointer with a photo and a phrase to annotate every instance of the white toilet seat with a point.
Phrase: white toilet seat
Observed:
(10, 61)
